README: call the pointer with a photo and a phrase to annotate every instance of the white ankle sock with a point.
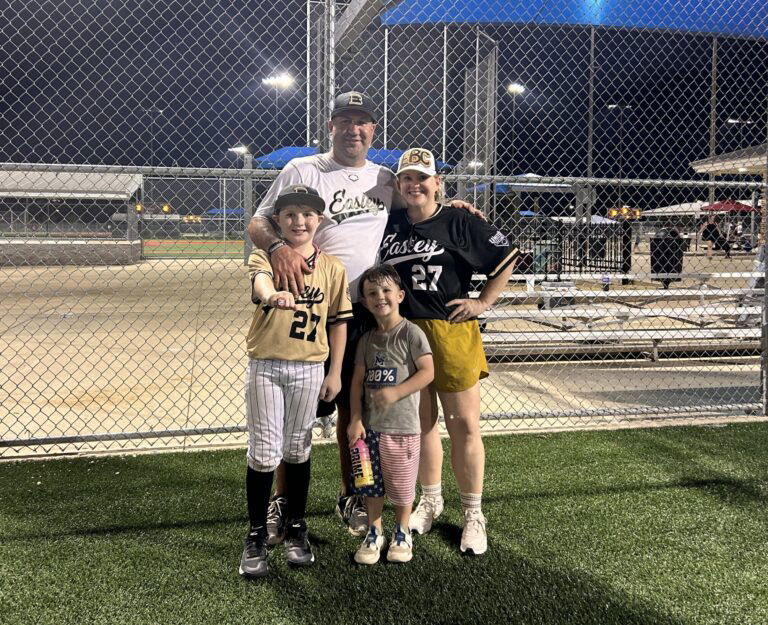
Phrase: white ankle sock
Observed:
(471, 501)
(432, 490)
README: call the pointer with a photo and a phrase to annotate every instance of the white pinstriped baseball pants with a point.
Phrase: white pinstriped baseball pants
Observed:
(280, 403)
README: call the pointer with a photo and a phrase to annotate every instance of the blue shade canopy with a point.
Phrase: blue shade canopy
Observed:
(739, 17)
(223, 211)
(280, 157)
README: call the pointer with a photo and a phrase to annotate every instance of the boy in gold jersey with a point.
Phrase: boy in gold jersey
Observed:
(287, 345)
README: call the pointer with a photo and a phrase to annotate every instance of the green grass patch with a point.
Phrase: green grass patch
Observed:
(663, 526)
(193, 248)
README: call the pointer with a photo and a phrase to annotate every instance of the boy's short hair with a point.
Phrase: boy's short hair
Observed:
(378, 274)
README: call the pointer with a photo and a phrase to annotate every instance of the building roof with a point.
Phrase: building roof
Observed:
(68, 185)
(751, 161)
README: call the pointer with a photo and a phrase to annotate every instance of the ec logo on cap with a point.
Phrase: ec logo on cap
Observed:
(417, 157)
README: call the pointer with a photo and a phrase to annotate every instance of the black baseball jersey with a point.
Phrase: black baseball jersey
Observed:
(437, 257)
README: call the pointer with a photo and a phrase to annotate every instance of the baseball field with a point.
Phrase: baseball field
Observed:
(126, 352)
(192, 248)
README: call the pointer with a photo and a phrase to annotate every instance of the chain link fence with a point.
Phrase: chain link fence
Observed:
(624, 148)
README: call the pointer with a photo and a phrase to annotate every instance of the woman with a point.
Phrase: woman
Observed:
(435, 249)
(710, 232)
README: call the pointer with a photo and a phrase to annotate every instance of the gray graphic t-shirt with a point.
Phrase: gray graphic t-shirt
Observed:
(389, 359)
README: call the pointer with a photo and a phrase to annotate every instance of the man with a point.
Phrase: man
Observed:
(358, 195)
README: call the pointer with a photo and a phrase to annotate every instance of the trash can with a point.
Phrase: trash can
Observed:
(666, 258)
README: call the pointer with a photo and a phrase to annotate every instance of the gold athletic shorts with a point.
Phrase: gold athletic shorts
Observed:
(457, 350)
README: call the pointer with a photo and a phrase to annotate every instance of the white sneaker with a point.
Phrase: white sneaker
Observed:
(370, 551)
(474, 538)
(429, 508)
(400, 546)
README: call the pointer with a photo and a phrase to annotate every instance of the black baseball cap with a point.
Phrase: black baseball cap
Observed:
(353, 101)
(301, 195)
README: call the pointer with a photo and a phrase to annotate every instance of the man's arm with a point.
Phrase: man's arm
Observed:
(288, 266)
(262, 232)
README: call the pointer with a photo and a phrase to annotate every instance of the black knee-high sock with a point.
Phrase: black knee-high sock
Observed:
(258, 485)
(297, 485)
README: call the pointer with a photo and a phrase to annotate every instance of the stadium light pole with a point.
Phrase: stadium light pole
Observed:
(514, 89)
(278, 82)
(739, 123)
(153, 112)
(620, 108)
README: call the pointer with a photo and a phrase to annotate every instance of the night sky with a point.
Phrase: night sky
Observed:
(84, 82)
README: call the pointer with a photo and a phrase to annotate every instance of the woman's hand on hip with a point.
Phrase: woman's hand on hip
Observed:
(465, 309)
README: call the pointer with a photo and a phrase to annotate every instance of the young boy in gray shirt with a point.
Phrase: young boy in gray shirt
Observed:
(392, 364)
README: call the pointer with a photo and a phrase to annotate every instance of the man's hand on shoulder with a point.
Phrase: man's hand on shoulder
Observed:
(288, 268)
(468, 207)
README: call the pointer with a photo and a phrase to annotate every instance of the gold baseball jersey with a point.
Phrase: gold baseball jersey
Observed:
(299, 334)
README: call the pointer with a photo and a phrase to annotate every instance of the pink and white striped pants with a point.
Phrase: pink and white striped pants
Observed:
(399, 455)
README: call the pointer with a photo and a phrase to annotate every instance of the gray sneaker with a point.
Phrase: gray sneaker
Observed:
(298, 551)
(356, 516)
(276, 519)
(253, 562)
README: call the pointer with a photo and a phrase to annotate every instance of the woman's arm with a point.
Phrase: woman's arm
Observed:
(469, 308)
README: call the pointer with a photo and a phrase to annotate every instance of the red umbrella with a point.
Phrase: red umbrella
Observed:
(729, 206)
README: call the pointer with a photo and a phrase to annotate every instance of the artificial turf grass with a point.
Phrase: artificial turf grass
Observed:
(633, 526)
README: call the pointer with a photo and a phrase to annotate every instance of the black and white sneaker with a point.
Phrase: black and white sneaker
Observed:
(351, 510)
(253, 562)
(276, 519)
(298, 551)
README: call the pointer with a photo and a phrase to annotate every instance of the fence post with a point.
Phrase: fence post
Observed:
(247, 205)
(763, 252)
(626, 249)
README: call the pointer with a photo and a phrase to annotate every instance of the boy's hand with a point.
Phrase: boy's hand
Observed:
(383, 398)
(331, 387)
(355, 431)
(282, 299)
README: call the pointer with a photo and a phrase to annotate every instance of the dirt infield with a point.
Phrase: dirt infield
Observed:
(159, 346)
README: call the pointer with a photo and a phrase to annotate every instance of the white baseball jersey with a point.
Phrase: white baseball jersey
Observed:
(357, 200)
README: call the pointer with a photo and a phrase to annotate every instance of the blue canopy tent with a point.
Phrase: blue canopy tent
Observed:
(280, 157)
(744, 17)
(238, 212)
